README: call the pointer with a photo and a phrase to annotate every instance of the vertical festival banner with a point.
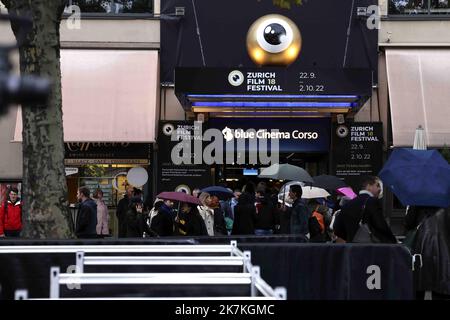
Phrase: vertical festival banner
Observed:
(179, 177)
(357, 151)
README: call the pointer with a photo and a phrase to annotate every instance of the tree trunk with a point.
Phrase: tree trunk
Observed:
(45, 207)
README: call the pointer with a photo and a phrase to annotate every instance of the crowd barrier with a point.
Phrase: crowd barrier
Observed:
(308, 271)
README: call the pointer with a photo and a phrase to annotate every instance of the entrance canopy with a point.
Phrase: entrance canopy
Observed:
(108, 96)
(272, 91)
(419, 94)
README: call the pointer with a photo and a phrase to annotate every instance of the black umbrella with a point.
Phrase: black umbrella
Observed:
(328, 182)
(286, 172)
(218, 191)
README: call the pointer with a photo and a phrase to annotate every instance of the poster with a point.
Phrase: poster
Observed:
(357, 151)
(183, 177)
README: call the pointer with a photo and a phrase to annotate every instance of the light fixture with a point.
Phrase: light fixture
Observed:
(268, 104)
(287, 96)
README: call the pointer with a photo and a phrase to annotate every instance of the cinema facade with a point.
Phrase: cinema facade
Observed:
(358, 91)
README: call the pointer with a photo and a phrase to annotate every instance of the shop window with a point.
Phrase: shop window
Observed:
(111, 179)
(419, 7)
(112, 7)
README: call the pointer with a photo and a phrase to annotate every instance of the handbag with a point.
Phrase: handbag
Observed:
(364, 234)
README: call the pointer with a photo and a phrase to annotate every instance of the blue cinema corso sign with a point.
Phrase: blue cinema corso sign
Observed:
(294, 135)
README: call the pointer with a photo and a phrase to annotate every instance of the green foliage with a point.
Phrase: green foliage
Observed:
(446, 153)
(286, 4)
(94, 171)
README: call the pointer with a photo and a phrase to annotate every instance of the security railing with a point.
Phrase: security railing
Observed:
(231, 256)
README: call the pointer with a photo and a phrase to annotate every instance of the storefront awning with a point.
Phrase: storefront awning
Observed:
(419, 94)
(108, 96)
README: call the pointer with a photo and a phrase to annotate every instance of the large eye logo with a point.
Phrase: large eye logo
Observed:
(273, 40)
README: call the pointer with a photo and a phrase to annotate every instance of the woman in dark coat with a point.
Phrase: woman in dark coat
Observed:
(189, 222)
(265, 214)
(244, 215)
(432, 241)
(161, 222)
(133, 218)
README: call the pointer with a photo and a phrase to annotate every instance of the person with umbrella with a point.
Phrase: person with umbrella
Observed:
(364, 208)
(189, 222)
(166, 210)
(159, 223)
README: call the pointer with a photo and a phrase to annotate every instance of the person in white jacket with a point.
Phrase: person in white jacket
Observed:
(102, 214)
(206, 212)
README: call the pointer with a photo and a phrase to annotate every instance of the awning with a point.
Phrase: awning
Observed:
(419, 92)
(108, 96)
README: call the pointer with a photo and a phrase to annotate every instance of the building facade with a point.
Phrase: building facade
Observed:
(112, 73)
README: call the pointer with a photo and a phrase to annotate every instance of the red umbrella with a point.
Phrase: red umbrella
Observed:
(178, 196)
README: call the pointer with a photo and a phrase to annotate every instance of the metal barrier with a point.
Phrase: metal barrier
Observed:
(119, 249)
(235, 257)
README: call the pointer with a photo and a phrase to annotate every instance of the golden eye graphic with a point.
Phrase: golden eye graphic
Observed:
(273, 40)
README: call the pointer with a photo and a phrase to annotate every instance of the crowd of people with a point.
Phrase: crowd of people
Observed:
(252, 210)
(257, 210)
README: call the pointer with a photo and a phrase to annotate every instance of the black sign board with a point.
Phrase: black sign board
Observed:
(357, 151)
(178, 177)
(213, 33)
(107, 153)
(273, 81)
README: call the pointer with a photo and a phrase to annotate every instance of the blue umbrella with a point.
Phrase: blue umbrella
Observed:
(418, 177)
(221, 192)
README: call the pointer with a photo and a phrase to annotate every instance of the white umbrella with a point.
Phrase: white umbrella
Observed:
(314, 192)
(419, 139)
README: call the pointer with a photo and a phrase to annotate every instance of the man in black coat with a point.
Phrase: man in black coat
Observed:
(265, 214)
(87, 215)
(300, 213)
(432, 241)
(121, 212)
(244, 215)
(347, 221)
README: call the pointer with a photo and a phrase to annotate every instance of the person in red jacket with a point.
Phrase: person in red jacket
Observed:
(11, 215)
